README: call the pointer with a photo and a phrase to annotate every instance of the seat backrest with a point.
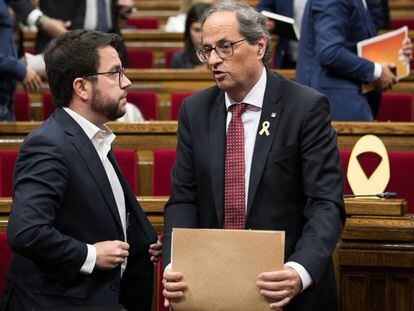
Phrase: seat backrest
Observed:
(400, 22)
(401, 168)
(7, 162)
(161, 171)
(140, 58)
(21, 106)
(396, 108)
(5, 257)
(168, 54)
(176, 99)
(127, 161)
(146, 103)
(48, 106)
(143, 22)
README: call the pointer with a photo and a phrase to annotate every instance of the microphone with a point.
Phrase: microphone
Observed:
(384, 195)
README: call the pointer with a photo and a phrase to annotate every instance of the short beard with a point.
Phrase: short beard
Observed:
(107, 107)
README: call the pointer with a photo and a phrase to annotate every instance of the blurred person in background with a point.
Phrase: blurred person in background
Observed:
(177, 23)
(187, 58)
(11, 70)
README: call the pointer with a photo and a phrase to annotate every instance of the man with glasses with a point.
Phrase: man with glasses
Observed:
(78, 234)
(257, 151)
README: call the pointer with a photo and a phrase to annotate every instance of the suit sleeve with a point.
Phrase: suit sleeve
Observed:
(182, 208)
(22, 9)
(41, 176)
(10, 65)
(331, 24)
(322, 183)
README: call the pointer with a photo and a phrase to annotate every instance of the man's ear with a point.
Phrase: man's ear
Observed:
(82, 88)
(261, 47)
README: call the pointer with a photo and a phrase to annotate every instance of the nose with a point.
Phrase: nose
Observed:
(125, 82)
(214, 59)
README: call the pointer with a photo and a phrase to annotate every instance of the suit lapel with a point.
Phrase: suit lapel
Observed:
(94, 164)
(271, 112)
(216, 147)
(367, 18)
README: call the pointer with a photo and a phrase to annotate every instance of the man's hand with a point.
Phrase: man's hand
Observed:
(279, 287)
(387, 78)
(173, 286)
(31, 81)
(407, 49)
(54, 27)
(110, 254)
(125, 5)
(155, 251)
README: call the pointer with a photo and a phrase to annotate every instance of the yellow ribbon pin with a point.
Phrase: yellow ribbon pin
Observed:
(265, 126)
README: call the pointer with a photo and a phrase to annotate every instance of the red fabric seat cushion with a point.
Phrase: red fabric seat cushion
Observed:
(21, 106)
(7, 162)
(396, 108)
(161, 171)
(5, 257)
(140, 58)
(176, 99)
(146, 103)
(127, 161)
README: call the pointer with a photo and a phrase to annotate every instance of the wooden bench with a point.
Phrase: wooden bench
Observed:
(145, 137)
(373, 260)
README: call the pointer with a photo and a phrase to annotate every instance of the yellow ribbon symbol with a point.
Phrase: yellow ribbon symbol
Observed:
(265, 126)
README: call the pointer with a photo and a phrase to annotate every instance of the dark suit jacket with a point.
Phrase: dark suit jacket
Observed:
(282, 7)
(328, 60)
(295, 182)
(73, 10)
(62, 201)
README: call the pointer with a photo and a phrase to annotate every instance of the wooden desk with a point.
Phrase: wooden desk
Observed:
(373, 260)
(145, 137)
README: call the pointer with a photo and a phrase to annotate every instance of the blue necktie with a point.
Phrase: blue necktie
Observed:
(101, 17)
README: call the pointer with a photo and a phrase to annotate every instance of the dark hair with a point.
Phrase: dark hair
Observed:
(252, 24)
(72, 55)
(194, 15)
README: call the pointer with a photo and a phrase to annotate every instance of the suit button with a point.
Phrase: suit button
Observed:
(114, 286)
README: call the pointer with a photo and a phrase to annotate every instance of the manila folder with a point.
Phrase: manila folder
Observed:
(221, 267)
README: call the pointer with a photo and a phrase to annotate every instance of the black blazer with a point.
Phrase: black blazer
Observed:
(62, 201)
(73, 10)
(295, 182)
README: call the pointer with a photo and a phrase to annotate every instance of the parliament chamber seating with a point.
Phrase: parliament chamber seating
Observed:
(140, 58)
(400, 22)
(396, 108)
(175, 100)
(48, 106)
(168, 54)
(161, 171)
(5, 258)
(127, 160)
(401, 169)
(21, 106)
(142, 22)
(7, 162)
(146, 102)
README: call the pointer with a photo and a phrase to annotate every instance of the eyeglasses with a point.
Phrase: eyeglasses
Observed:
(120, 72)
(223, 50)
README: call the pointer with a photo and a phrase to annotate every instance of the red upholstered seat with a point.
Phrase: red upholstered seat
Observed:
(396, 108)
(176, 100)
(401, 168)
(5, 257)
(143, 22)
(140, 58)
(146, 103)
(168, 54)
(127, 161)
(21, 106)
(161, 171)
(7, 162)
(400, 22)
(48, 106)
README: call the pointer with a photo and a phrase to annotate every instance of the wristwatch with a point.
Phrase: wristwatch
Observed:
(38, 22)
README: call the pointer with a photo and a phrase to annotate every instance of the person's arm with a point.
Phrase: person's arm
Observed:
(332, 23)
(323, 213)
(11, 66)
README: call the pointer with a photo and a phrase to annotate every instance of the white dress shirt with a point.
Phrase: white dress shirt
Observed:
(102, 138)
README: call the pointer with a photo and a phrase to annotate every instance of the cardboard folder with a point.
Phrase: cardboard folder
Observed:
(221, 267)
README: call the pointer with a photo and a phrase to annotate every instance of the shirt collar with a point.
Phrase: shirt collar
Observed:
(102, 136)
(255, 96)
